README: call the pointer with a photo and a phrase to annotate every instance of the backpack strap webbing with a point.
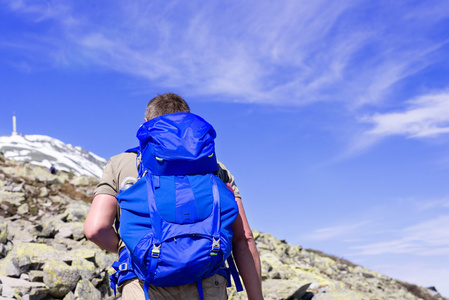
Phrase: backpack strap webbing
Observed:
(235, 274)
(124, 271)
(200, 289)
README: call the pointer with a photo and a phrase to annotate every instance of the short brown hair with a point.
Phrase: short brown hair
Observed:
(167, 103)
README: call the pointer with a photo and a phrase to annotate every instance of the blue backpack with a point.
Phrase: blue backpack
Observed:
(176, 219)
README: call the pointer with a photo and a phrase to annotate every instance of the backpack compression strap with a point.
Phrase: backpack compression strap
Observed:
(124, 271)
(235, 274)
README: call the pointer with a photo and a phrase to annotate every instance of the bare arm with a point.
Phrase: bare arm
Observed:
(99, 221)
(246, 255)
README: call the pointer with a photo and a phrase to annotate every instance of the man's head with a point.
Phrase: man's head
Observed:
(167, 103)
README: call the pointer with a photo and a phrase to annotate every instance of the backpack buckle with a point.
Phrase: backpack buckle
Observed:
(215, 246)
(123, 267)
(156, 252)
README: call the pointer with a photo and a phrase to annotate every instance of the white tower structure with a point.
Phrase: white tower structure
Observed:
(14, 129)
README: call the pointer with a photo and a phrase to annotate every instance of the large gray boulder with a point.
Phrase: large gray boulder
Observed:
(86, 290)
(25, 256)
(60, 278)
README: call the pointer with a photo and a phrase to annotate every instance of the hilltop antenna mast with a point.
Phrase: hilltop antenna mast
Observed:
(14, 129)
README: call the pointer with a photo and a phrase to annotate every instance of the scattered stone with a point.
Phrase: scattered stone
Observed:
(23, 209)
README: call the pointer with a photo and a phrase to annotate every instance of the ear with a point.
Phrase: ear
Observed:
(145, 119)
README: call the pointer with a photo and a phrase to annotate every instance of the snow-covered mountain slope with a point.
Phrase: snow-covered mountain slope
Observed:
(44, 151)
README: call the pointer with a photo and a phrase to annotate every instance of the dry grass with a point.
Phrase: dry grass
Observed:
(417, 291)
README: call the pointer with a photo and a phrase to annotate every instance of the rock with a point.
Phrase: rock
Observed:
(272, 267)
(3, 230)
(20, 231)
(86, 290)
(77, 211)
(69, 296)
(280, 288)
(8, 292)
(60, 278)
(43, 192)
(24, 256)
(85, 268)
(73, 230)
(36, 276)
(48, 227)
(83, 180)
(17, 287)
(14, 198)
(23, 209)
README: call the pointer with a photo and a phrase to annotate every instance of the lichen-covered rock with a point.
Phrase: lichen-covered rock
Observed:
(84, 180)
(20, 231)
(77, 211)
(19, 288)
(86, 290)
(272, 267)
(36, 276)
(14, 198)
(60, 278)
(280, 289)
(48, 227)
(85, 268)
(3, 230)
(72, 230)
(69, 296)
(26, 255)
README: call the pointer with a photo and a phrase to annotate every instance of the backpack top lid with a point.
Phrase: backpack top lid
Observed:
(178, 144)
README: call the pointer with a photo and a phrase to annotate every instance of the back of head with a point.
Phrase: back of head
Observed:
(167, 103)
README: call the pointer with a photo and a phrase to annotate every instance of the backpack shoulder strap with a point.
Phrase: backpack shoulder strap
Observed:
(139, 165)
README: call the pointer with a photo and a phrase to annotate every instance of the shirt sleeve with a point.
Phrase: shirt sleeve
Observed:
(227, 177)
(108, 182)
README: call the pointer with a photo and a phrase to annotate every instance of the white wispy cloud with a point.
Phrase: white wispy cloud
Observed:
(425, 116)
(343, 231)
(286, 53)
(426, 238)
(433, 204)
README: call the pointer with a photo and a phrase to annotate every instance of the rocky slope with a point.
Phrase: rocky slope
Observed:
(44, 254)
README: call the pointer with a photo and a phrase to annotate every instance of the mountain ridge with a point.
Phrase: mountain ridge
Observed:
(46, 151)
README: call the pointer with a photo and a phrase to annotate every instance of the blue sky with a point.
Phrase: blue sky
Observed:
(332, 115)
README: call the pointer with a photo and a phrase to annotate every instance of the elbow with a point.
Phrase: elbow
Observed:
(93, 232)
(90, 233)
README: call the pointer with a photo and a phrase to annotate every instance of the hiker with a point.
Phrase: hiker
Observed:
(121, 173)
(53, 169)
